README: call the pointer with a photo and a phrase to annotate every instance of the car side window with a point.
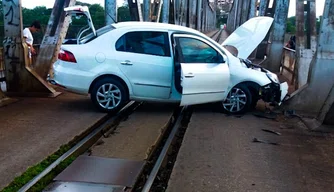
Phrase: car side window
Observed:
(145, 42)
(196, 51)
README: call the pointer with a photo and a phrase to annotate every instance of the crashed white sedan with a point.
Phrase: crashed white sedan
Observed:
(147, 61)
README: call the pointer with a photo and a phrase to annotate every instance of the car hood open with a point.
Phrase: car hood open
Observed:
(249, 35)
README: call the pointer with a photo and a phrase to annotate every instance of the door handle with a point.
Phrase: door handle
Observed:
(126, 62)
(189, 75)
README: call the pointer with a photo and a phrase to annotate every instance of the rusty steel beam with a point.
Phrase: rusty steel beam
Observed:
(304, 52)
(192, 13)
(263, 7)
(159, 11)
(110, 11)
(316, 96)
(245, 11)
(230, 27)
(166, 11)
(175, 10)
(147, 9)
(313, 26)
(183, 13)
(204, 16)
(199, 14)
(21, 79)
(278, 31)
(252, 9)
(133, 8)
(55, 33)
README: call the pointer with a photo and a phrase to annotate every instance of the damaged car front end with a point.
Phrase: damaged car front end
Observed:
(274, 92)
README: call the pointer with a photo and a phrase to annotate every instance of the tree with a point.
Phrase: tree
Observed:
(123, 13)
(291, 25)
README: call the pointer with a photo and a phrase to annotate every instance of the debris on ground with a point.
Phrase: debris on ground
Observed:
(271, 131)
(272, 116)
(255, 140)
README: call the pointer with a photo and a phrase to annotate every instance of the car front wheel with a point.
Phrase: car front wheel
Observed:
(238, 100)
(109, 95)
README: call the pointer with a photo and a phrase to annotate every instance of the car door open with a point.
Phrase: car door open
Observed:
(204, 73)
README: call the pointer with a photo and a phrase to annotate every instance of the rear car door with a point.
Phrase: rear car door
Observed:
(204, 72)
(145, 59)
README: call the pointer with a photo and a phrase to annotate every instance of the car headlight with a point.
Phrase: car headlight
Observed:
(273, 77)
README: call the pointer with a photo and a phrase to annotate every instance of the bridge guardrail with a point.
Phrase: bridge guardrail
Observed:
(288, 65)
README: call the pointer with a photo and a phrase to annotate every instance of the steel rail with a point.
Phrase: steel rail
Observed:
(219, 36)
(215, 34)
(38, 177)
(163, 153)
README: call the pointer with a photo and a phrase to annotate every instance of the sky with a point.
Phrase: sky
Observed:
(49, 4)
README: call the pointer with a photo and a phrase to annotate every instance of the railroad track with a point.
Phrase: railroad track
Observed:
(88, 140)
(147, 178)
(217, 35)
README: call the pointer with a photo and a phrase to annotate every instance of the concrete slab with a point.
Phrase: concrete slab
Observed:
(33, 128)
(134, 138)
(217, 154)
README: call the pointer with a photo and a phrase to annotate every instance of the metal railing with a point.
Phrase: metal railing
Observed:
(288, 65)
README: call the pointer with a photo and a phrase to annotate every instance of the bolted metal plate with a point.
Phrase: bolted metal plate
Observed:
(110, 171)
(82, 187)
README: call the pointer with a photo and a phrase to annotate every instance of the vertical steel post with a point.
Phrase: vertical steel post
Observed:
(159, 11)
(133, 8)
(192, 13)
(20, 78)
(278, 32)
(165, 11)
(12, 45)
(305, 48)
(110, 11)
(176, 11)
(55, 33)
(147, 6)
(231, 19)
(317, 96)
(140, 13)
(199, 15)
(252, 9)
(263, 7)
(245, 11)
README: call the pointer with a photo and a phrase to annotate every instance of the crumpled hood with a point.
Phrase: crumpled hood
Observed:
(249, 35)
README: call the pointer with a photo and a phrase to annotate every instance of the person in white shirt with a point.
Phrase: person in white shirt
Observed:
(27, 35)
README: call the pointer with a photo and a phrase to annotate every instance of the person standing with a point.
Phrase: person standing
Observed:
(29, 39)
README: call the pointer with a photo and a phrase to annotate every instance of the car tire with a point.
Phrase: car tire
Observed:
(109, 95)
(238, 100)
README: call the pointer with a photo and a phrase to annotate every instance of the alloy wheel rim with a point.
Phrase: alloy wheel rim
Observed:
(236, 100)
(108, 96)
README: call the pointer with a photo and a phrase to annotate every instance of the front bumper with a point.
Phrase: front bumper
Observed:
(274, 93)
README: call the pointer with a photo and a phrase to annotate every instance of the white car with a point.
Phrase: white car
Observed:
(147, 61)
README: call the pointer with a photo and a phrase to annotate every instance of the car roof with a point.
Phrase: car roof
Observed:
(154, 25)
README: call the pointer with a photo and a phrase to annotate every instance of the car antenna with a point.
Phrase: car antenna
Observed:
(111, 17)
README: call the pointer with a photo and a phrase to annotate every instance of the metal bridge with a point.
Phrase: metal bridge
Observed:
(310, 74)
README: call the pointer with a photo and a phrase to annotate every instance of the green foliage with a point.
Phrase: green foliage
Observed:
(291, 25)
(42, 14)
(123, 14)
(31, 172)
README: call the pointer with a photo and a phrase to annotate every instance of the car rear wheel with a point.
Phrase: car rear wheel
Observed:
(238, 100)
(109, 95)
